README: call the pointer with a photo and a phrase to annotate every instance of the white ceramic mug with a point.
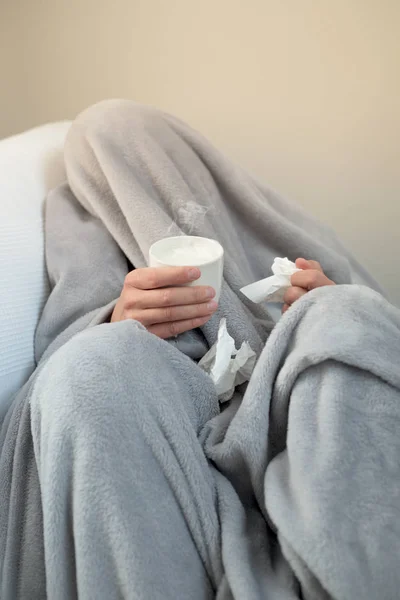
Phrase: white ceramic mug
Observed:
(191, 251)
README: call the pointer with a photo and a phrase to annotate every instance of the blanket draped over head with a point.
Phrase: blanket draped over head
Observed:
(117, 466)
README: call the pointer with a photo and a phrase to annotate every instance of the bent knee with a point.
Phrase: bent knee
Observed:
(97, 351)
(91, 361)
(105, 367)
(346, 299)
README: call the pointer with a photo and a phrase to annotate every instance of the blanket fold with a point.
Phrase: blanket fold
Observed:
(115, 485)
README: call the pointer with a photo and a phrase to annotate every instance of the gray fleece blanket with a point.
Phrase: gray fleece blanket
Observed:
(120, 477)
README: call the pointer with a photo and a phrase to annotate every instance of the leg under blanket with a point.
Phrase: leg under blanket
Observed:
(129, 502)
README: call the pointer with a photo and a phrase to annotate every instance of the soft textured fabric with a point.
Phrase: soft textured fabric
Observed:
(120, 478)
(30, 165)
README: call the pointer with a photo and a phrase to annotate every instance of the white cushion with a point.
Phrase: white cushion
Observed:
(30, 164)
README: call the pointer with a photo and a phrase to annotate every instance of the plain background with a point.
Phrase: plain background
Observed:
(303, 93)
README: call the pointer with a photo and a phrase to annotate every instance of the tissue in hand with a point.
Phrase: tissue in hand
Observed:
(272, 289)
(227, 366)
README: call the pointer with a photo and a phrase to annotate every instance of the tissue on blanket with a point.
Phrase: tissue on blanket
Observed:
(227, 366)
(272, 289)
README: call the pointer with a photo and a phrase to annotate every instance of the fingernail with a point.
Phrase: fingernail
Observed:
(210, 292)
(213, 305)
(194, 274)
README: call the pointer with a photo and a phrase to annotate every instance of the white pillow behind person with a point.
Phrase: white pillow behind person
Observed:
(31, 164)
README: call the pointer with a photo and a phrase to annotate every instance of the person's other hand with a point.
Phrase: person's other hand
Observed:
(311, 277)
(153, 297)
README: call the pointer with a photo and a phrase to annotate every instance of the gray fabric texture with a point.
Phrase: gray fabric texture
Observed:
(120, 477)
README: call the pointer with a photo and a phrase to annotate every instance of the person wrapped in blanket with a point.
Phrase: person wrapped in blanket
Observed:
(122, 477)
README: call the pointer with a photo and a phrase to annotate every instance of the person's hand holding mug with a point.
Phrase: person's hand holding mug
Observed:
(156, 298)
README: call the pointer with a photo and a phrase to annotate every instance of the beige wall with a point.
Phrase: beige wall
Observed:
(304, 93)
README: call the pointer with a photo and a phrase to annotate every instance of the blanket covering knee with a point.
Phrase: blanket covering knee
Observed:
(304, 462)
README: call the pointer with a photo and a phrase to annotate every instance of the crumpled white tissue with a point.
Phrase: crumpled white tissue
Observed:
(227, 366)
(272, 289)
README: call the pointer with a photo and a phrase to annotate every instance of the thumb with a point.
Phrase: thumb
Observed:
(302, 263)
